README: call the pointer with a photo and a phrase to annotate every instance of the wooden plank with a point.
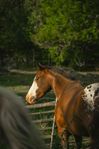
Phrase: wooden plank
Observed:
(46, 128)
(44, 112)
(51, 104)
(43, 120)
(41, 105)
(47, 136)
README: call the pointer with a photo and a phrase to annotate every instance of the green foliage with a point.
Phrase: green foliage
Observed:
(66, 24)
(66, 30)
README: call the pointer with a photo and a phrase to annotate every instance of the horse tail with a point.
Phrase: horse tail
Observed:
(16, 128)
(94, 127)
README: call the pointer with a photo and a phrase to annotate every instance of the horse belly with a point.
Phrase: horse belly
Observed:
(70, 123)
(77, 129)
(76, 120)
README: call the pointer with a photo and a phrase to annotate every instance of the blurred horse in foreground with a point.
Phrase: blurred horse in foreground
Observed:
(17, 130)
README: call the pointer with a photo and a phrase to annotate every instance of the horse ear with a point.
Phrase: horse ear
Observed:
(41, 67)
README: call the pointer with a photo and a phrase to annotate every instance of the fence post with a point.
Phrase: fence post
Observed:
(53, 127)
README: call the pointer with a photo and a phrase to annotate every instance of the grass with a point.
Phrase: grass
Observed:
(17, 82)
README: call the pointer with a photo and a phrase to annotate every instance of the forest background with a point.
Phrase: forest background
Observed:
(52, 32)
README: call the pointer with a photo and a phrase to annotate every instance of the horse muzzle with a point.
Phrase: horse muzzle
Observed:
(30, 100)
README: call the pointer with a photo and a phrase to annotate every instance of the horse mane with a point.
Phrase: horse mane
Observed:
(16, 127)
(66, 72)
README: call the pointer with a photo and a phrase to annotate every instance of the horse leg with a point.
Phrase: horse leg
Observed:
(61, 126)
(78, 140)
(64, 136)
(65, 139)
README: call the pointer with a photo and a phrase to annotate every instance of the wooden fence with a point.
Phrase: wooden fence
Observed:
(43, 116)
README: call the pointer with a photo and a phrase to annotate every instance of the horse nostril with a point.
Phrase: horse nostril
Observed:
(30, 99)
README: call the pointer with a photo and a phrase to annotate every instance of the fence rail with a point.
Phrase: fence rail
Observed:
(41, 105)
(43, 120)
(44, 112)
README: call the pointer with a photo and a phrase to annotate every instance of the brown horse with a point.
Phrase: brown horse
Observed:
(72, 114)
(17, 130)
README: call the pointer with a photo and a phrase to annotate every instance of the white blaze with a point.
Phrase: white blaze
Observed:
(33, 89)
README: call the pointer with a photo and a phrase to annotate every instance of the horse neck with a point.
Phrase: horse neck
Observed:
(58, 84)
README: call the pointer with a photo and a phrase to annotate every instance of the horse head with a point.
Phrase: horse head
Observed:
(39, 86)
(41, 83)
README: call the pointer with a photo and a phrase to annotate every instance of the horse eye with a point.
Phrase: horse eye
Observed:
(37, 78)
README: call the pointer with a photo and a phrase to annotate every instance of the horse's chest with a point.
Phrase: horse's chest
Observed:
(89, 93)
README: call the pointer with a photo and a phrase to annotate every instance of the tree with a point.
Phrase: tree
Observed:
(66, 26)
(58, 32)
